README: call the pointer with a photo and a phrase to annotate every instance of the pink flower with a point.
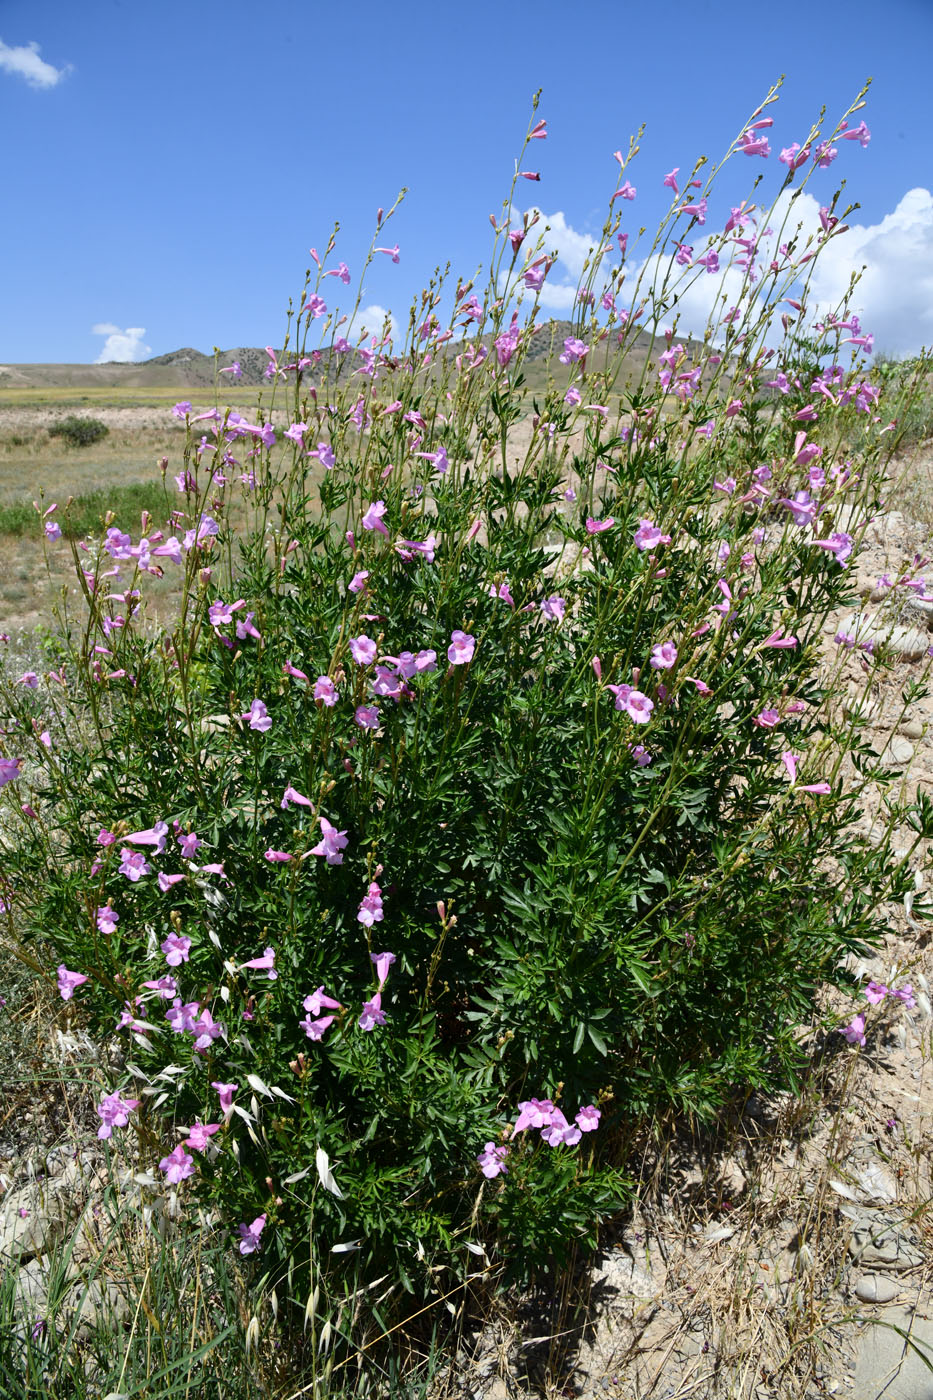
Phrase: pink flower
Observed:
(326, 691)
(372, 1014)
(596, 527)
(107, 919)
(820, 789)
(876, 992)
(189, 843)
(648, 535)
(502, 592)
(663, 656)
(166, 987)
(292, 795)
(573, 350)
(367, 716)
(133, 864)
(779, 642)
(249, 1235)
(205, 1031)
(289, 670)
(314, 1003)
(839, 545)
(68, 981)
(114, 1112)
(492, 1160)
(358, 581)
(277, 857)
(462, 646)
(258, 717)
(587, 1120)
(181, 1016)
(331, 844)
(176, 949)
(533, 1113)
(199, 1135)
(372, 520)
(767, 719)
(153, 836)
(906, 995)
(363, 650)
(426, 661)
(553, 608)
(167, 881)
(264, 964)
(177, 1166)
(854, 1032)
(225, 1093)
(641, 755)
(383, 962)
(370, 911)
(637, 706)
(314, 1029)
(559, 1131)
(790, 761)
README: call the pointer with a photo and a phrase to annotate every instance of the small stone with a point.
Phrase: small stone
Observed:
(897, 753)
(875, 1288)
(913, 728)
(860, 707)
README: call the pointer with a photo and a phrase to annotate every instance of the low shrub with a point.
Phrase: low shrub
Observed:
(485, 796)
(79, 432)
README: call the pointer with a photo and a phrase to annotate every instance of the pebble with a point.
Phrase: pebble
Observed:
(875, 1288)
(897, 753)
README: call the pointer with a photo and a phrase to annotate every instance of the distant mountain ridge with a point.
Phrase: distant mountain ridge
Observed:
(188, 368)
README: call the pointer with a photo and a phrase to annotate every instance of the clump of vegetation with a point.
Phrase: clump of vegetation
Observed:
(85, 513)
(483, 798)
(79, 432)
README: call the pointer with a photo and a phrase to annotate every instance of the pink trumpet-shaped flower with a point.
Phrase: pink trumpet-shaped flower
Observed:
(114, 1112)
(383, 962)
(177, 1166)
(264, 964)
(372, 1014)
(68, 981)
(249, 1235)
(492, 1160)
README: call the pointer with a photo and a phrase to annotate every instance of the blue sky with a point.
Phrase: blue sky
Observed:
(168, 165)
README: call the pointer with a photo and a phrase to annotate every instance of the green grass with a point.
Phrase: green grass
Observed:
(85, 514)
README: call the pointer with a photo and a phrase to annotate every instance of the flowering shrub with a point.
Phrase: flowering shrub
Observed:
(482, 797)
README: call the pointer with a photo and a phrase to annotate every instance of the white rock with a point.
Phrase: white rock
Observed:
(897, 753)
(874, 1288)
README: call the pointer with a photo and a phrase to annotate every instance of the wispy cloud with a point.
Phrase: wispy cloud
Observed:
(122, 346)
(23, 60)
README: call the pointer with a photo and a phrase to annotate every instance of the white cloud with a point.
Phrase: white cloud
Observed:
(369, 321)
(24, 61)
(893, 297)
(556, 235)
(123, 346)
